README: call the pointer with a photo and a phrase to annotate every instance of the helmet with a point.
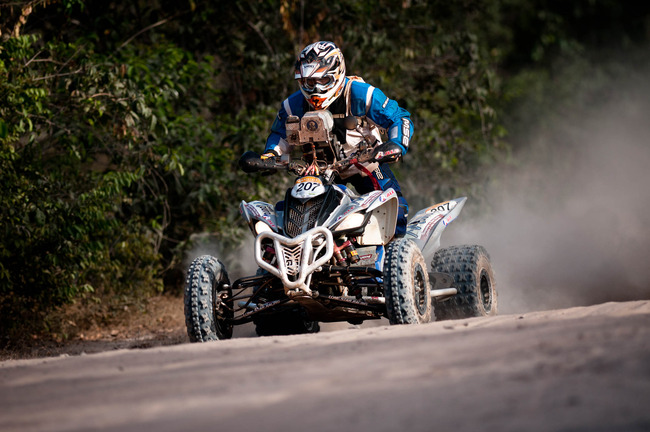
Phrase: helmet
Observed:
(320, 71)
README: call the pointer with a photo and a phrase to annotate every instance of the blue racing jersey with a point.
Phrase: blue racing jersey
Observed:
(361, 100)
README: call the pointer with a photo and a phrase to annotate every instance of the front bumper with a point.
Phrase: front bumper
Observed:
(297, 258)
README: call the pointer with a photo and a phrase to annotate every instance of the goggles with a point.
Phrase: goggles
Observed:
(309, 84)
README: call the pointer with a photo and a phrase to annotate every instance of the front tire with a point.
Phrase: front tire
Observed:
(406, 284)
(208, 312)
(473, 277)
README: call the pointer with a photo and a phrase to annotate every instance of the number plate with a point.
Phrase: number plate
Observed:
(307, 187)
(444, 207)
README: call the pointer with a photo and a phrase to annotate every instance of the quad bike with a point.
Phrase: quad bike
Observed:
(326, 254)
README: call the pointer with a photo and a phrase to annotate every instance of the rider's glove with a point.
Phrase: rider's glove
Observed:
(267, 155)
(387, 152)
(251, 162)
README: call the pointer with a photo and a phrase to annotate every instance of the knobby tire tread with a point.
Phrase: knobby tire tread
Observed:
(464, 264)
(401, 257)
(198, 299)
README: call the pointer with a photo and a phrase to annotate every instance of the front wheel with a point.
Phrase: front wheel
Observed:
(473, 277)
(208, 304)
(406, 284)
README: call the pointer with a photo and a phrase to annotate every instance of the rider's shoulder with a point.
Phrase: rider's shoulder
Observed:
(297, 95)
(360, 89)
(358, 86)
(294, 104)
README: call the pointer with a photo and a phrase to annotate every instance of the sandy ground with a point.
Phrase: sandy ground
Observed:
(578, 369)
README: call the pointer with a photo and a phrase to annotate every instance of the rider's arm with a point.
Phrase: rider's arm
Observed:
(276, 143)
(386, 113)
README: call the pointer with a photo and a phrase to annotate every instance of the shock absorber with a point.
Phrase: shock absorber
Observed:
(340, 259)
(352, 253)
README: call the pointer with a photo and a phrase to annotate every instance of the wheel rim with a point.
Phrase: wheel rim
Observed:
(419, 286)
(222, 326)
(486, 290)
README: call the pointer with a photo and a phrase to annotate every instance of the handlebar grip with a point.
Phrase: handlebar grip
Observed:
(387, 152)
(251, 162)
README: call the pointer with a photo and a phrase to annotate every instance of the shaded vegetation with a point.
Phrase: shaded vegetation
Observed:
(121, 122)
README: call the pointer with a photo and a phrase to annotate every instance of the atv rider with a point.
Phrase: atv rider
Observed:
(320, 71)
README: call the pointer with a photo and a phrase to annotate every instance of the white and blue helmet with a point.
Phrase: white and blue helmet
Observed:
(320, 71)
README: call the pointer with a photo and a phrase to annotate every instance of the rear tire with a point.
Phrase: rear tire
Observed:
(207, 316)
(406, 284)
(471, 271)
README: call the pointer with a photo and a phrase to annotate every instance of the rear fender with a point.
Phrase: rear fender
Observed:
(426, 227)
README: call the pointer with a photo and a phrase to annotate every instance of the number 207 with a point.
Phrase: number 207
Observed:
(306, 186)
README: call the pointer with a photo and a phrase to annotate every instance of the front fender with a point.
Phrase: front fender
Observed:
(259, 211)
(380, 209)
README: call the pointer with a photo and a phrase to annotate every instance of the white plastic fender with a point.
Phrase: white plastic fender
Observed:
(383, 206)
(259, 210)
(425, 228)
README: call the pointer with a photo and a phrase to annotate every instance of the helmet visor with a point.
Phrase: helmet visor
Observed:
(316, 84)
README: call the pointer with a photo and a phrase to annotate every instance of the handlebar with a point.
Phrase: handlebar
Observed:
(360, 157)
(251, 162)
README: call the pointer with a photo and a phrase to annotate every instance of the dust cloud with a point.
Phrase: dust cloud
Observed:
(568, 223)
(238, 260)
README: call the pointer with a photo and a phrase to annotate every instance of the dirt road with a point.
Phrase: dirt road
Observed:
(579, 369)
